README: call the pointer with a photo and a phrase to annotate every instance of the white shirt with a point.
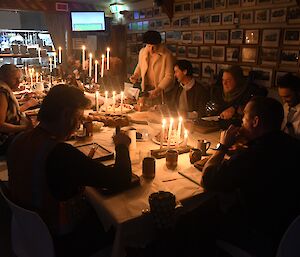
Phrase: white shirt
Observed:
(183, 103)
(292, 116)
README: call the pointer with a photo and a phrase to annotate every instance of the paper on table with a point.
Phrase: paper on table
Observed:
(192, 174)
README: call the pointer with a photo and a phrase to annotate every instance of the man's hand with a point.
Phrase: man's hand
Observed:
(228, 113)
(228, 137)
(154, 93)
(134, 78)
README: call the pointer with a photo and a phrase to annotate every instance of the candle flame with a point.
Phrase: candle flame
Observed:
(83, 47)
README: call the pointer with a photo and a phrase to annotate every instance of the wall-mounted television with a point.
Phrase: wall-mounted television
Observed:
(88, 21)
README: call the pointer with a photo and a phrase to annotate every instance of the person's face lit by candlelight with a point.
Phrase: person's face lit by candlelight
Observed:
(229, 83)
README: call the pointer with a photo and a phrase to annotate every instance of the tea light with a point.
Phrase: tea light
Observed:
(170, 131)
(162, 133)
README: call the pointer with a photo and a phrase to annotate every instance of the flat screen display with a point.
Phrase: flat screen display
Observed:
(88, 21)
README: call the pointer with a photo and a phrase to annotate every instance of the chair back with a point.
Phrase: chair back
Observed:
(29, 234)
(289, 244)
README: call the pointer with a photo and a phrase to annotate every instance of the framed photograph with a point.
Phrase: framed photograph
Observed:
(270, 37)
(278, 75)
(152, 24)
(204, 51)
(145, 25)
(222, 67)
(158, 24)
(232, 54)
(291, 37)
(262, 16)
(142, 14)
(209, 37)
(246, 3)
(249, 54)
(208, 4)
(293, 15)
(227, 18)
(185, 21)
(136, 15)
(166, 23)
(289, 56)
(222, 37)
(197, 5)
(246, 17)
(194, 20)
(186, 36)
(178, 7)
(278, 15)
(269, 56)
(139, 37)
(251, 36)
(187, 7)
(193, 51)
(233, 3)
(196, 69)
(264, 2)
(204, 20)
(218, 53)
(156, 11)
(149, 13)
(176, 22)
(215, 19)
(263, 77)
(220, 4)
(181, 51)
(172, 48)
(236, 36)
(163, 36)
(197, 37)
(208, 69)
(173, 36)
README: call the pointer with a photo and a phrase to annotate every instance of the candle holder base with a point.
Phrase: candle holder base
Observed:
(161, 153)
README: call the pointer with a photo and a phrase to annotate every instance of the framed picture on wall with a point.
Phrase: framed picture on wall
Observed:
(187, 7)
(251, 36)
(166, 23)
(208, 69)
(220, 4)
(208, 4)
(218, 53)
(197, 37)
(249, 54)
(187, 36)
(263, 77)
(139, 37)
(278, 15)
(233, 3)
(204, 51)
(172, 48)
(215, 19)
(227, 18)
(158, 24)
(246, 3)
(236, 36)
(149, 13)
(181, 51)
(269, 55)
(289, 57)
(178, 7)
(222, 67)
(246, 17)
(232, 54)
(156, 11)
(173, 36)
(197, 5)
(196, 69)
(293, 15)
(194, 20)
(185, 21)
(176, 22)
(204, 20)
(193, 51)
(262, 16)
(209, 36)
(142, 14)
(270, 37)
(222, 37)
(291, 37)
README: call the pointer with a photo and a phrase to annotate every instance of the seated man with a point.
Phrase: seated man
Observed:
(188, 96)
(289, 91)
(263, 178)
(47, 175)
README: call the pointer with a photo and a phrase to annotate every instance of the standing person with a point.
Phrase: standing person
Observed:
(289, 91)
(262, 179)
(47, 175)
(188, 95)
(11, 119)
(155, 67)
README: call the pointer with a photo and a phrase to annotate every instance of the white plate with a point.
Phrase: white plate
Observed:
(211, 118)
(126, 108)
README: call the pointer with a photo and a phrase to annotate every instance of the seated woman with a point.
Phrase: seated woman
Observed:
(229, 100)
(47, 175)
(188, 95)
(11, 119)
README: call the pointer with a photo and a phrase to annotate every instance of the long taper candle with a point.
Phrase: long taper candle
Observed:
(50, 64)
(97, 100)
(96, 71)
(162, 133)
(54, 58)
(90, 64)
(107, 58)
(170, 132)
(83, 57)
(102, 65)
(185, 138)
(114, 100)
(36, 77)
(59, 54)
(178, 131)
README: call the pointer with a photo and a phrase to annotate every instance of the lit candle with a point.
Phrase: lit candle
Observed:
(54, 58)
(162, 133)
(178, 131)
(107, 58)
(106, 99)
(90, 65)
(26, 71)
(114, 101)
(83, 57)
(97, 100)
(36, 77)
(170, 132)
(122, 98)
(96, 71)
(59, 54)
(102, 65)
(185, 138)
(50, 64)
(39, 55)
(31, 79)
